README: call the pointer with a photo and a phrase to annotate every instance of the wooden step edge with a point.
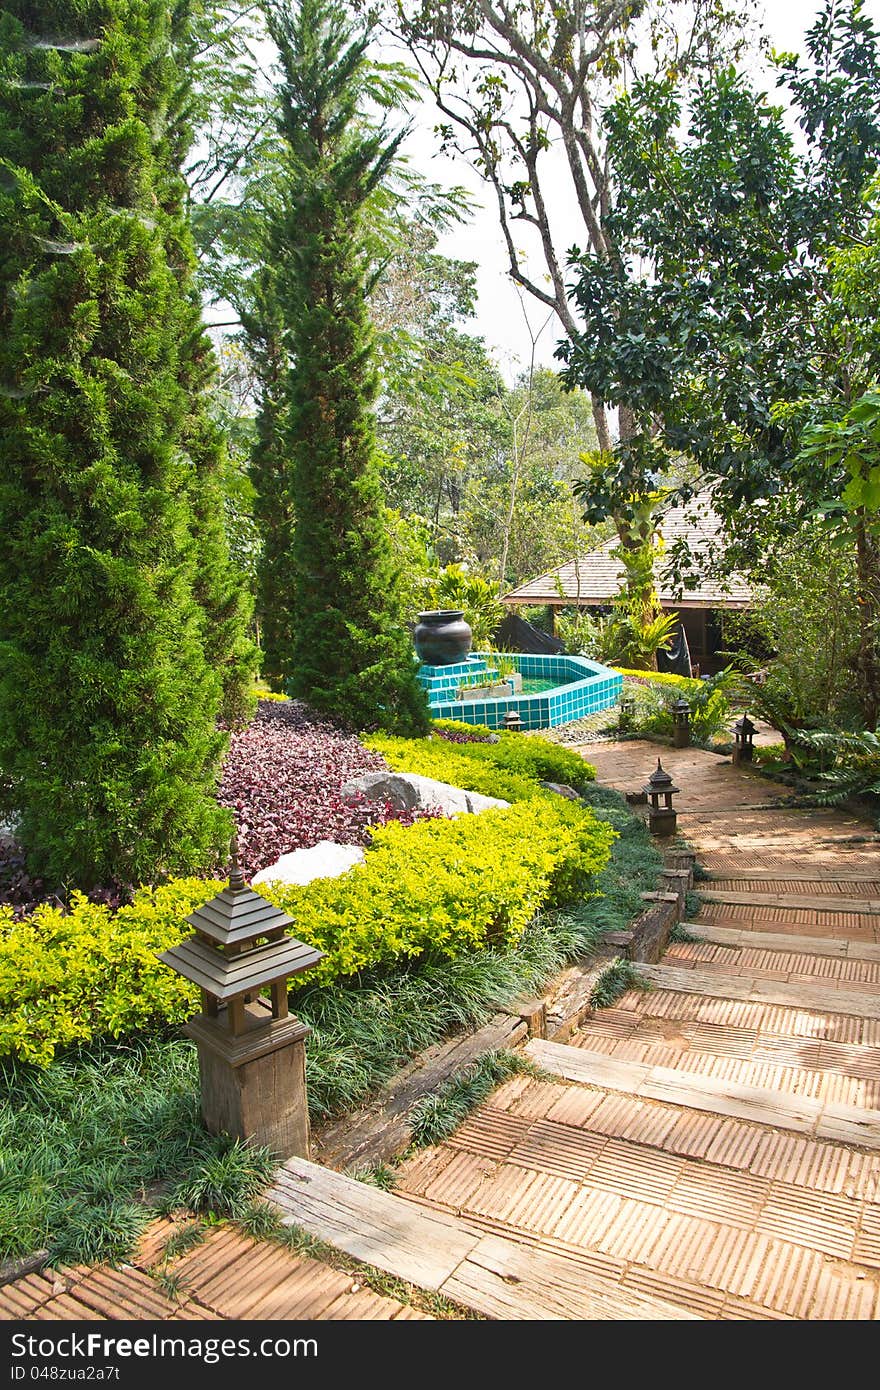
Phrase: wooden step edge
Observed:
(869, 907)
(824, 997)
(442, 1253)
(758, 939)
(754, 1104)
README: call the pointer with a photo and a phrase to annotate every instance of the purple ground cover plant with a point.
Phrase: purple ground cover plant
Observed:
(282, 780)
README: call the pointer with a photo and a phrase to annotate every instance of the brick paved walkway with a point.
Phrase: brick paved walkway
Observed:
(713, 1142)
(223, 1276)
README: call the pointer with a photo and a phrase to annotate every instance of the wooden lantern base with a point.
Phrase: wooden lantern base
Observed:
(254, 1085)
(662, 822)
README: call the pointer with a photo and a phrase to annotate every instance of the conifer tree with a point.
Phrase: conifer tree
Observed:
(350, 654)
(119, 620)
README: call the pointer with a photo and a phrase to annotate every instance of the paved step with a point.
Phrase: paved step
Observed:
(856, 926)
(813, 1025)
(441, 1252)
(831, 996)
(828, 891)
(783, 941)
(761, 1105)
(830, 1071)
(626, 1181)
(755, 955)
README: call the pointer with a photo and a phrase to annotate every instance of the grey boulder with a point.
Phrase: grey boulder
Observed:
(406, 791)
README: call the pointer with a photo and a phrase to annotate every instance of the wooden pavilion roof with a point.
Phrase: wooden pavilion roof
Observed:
(594, 579)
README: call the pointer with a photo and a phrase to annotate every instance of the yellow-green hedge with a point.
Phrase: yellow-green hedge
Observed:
(438, 888)
(661, 678)
(511, 769)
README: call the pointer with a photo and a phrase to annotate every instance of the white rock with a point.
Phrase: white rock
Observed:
(324, 860)
(406, 791)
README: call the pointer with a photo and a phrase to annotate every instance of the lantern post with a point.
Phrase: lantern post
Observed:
(660, 789)
(252, 1065)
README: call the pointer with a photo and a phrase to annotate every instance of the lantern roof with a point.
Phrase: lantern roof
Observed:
(237, 914)
(660, 781)
(226, 976)
(745, 725)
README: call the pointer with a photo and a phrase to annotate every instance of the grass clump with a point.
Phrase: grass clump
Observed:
(361, 1034)
(680, 934)
(436, 1116)
(614, 981)
(96, 1144)
(693, 901)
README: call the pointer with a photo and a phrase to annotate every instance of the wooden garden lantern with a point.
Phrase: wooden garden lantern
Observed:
(681, 723)
(744, 733)
(251, 1049)
(660, 789)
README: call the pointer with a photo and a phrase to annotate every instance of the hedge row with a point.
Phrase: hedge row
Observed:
(511, 769)
(438, 889)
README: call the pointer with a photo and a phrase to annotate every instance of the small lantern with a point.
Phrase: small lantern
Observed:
(512, 721)
(681, 720)
(744, 733)
(660, 790)
(626, 713)
(251, 1050)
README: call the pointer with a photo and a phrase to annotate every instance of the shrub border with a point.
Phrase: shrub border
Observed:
(380, 1132)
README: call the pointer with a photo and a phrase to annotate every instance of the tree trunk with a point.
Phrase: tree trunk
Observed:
(868, 557)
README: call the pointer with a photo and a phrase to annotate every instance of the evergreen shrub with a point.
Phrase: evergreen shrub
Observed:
(436, 890)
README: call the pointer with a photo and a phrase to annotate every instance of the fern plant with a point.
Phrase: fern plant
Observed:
(855, 770)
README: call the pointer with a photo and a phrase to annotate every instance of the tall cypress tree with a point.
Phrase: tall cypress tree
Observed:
(350, 654)
(118, 622)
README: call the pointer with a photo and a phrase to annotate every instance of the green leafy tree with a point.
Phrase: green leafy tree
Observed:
(741, 333)
(119, 619)
(349, 652)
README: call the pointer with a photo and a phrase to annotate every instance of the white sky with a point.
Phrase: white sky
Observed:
(500, 315)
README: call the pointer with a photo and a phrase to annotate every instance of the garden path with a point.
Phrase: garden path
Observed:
(709, 1148)
(714, 1142)
(224, 1275)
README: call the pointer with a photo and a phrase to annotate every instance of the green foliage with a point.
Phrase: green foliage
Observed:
(477, 597)
(680, 933)
(347, 650)
(855, 763)
(69, 976)
(441, 888)
(510, 769)
(434, 1117)
(362, 1033)
(633, 868)
(120, 618)
(618, 638)
(381, 1175)
(224, 1181)
(431, 891)
(614, 981)
(710, 699)
(90, 1146)
(805, 623)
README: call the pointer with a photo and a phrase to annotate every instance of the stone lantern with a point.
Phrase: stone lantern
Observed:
(251, 1050)
(744, 733)
(660, 789)
(512, 720)
(681, 723)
